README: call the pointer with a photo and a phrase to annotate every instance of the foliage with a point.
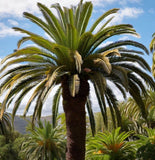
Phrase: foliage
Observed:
(17, 146)
(146, 152)
(113, 144)
(44, 143)
(131, 114)
(10, 147)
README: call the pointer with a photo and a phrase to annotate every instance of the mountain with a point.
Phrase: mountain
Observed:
(20, 123)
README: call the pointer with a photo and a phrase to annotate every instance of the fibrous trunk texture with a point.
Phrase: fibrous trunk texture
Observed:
(74, 108)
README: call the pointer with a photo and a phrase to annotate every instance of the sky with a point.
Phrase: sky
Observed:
(139, 13)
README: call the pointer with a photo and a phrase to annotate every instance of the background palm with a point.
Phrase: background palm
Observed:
(131, 111)
(113, 144)
(44, 143)
(73, 57)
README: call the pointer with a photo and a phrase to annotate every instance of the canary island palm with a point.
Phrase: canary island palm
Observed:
(44, 143)
(73, 58)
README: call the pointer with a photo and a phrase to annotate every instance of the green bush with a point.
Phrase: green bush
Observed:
(146, 152)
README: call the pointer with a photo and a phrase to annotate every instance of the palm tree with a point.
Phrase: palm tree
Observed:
(73, 58)
(132, 112)
(44, 143)
(113, 144)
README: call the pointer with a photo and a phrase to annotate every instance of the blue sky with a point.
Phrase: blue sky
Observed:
(139, 13)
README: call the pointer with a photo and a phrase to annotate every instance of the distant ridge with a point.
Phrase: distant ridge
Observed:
(21, 123)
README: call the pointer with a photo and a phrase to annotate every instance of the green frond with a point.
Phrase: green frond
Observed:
(152, 44)
(54, 24)
(109, 12)
(135, 58)
(153, 65)
(122, 43)
(18, 86)
(99, 83)
(106, 23)
(37, 90)
(146, 77)
(91, 116)
(85, 43)
(3, 105)
(138, 82)
(72, 37)
(39, 105)
(39, 40)
(56, 100)
(120, 73)
(108, 32)
(29, 51)
(61, 15)
(83, 15)
(32, 59)
(131, 51)
(40, 23)
(121, 88)
(113, 105)
(19, 100)
(22, 40)
(135, 93)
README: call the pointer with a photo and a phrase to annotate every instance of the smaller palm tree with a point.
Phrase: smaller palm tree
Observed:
(44, 143)
(148, 138)
(113, 144)
(130, 111)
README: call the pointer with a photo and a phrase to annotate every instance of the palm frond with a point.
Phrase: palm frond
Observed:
(91, 116)
(109, 12)
(122, 43)
(56, 100)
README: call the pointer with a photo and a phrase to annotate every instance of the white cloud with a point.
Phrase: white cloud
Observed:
(124, 38)
(124, 13)
(17, 7)
(13, 22)
(109, 2)
(127, 13)
(5, 30)
(105, 43)
(124, 2)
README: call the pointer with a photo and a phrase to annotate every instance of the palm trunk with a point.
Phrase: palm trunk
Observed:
(74, 108)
